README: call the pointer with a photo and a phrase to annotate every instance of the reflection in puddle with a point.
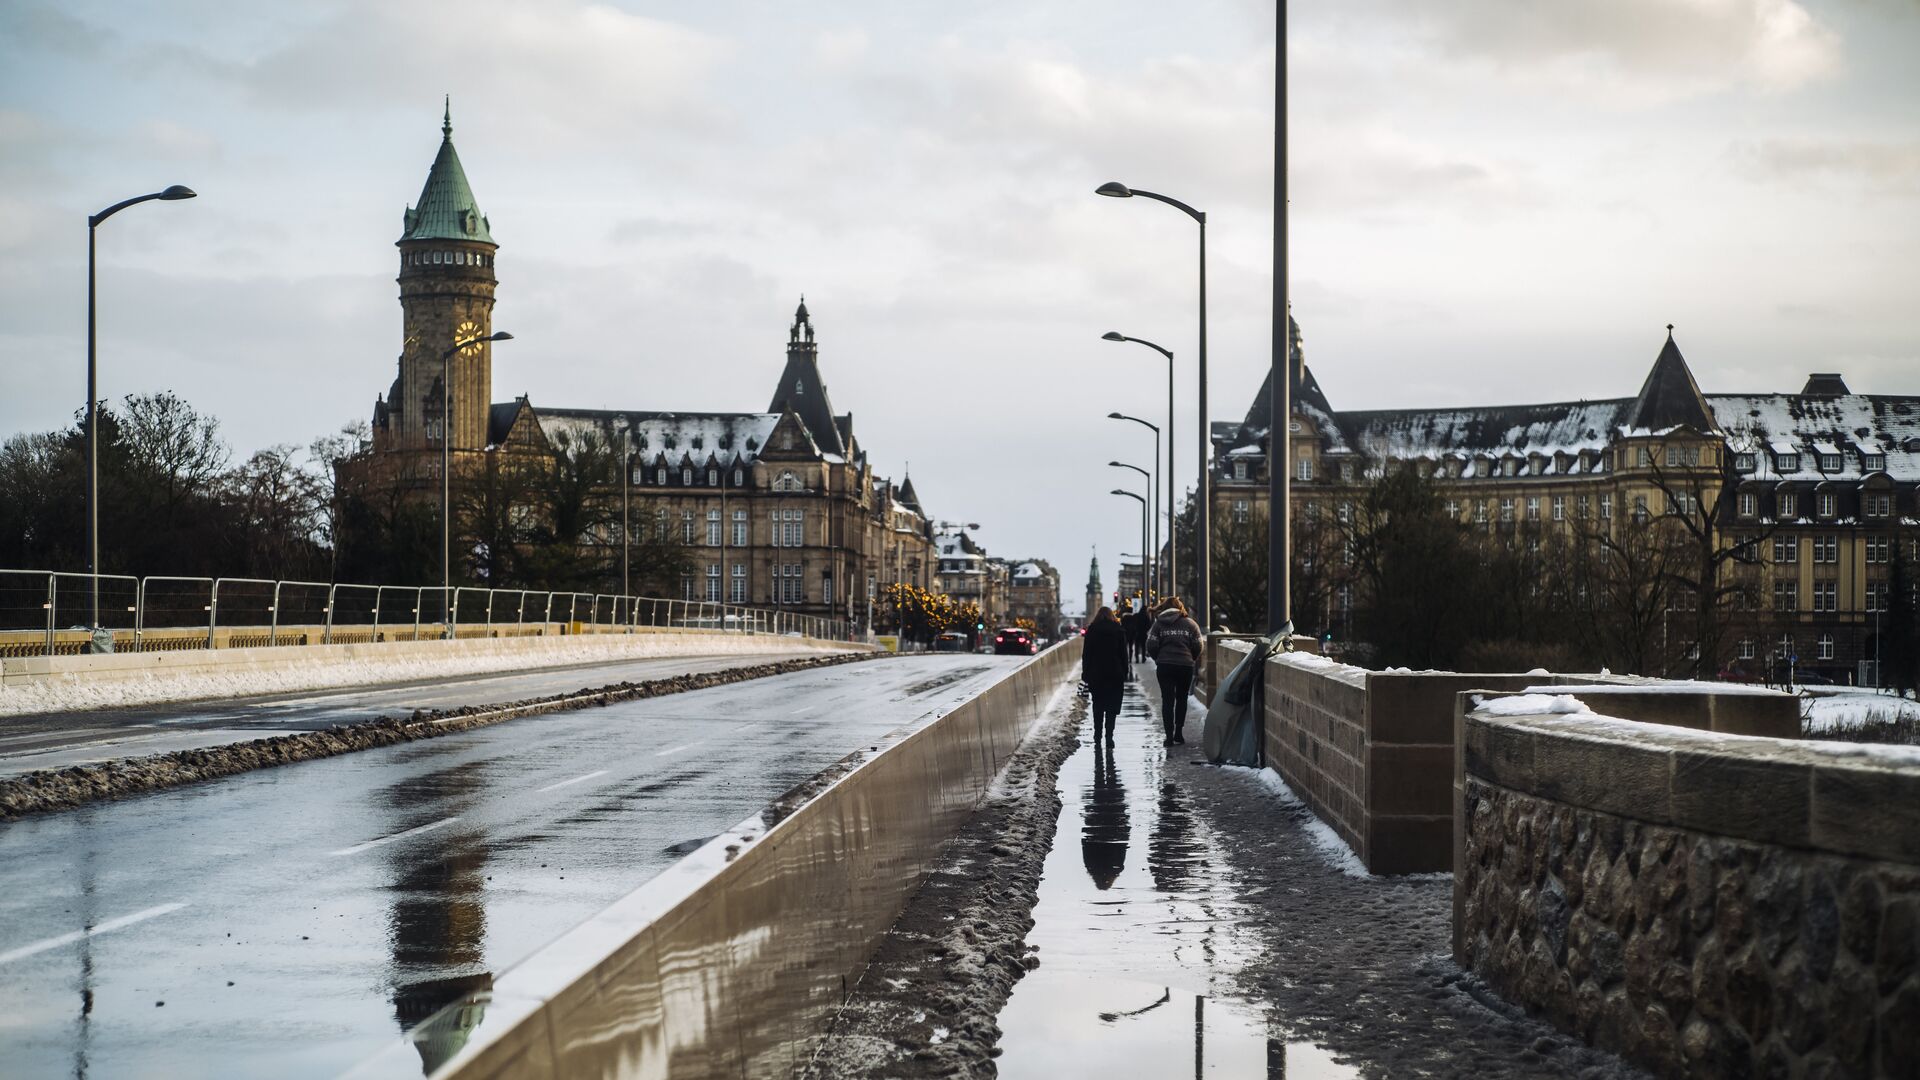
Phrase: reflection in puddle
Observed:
(1137, 963)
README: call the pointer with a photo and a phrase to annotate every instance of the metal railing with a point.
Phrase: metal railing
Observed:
(170, 613)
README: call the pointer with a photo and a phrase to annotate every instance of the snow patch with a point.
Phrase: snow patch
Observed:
(1530, 705)
(1325, 841)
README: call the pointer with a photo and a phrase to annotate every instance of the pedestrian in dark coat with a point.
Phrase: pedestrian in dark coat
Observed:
(1104, 667)
(1176, 644)
(1137, 633)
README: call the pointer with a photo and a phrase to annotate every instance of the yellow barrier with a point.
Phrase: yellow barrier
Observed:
(733, 961)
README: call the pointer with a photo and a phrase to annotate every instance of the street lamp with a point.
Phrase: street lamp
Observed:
(1203, 534)
(446, 474)
(1203, 541)
(1159, 491)
(1143, 521)
(1280, 412)
(172, 194)
(1146, 580)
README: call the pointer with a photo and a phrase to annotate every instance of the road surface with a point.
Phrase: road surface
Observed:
(286, 922)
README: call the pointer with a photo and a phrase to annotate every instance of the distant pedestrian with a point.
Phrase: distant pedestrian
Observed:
(1137, 633)
(1104, 668)
(1176, 643)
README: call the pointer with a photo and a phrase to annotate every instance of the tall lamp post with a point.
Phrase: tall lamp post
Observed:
(1173, 482)
(1146, 576)
(1203, 540)
(1143, 521)
(1160, 492)
(446, 473)
(1280, 419)
(171, 194)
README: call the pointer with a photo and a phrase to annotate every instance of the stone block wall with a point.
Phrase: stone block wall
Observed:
(1705, 906)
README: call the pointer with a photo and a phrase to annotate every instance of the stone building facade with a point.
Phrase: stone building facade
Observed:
(1820, 486)
(779, 507)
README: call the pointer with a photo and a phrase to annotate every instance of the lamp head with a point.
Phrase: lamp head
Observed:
(1114, 189)
(178, 191)
(1117, 491)
(1115, 416)
(1116, 465)
(501, 336)
(1113, 335)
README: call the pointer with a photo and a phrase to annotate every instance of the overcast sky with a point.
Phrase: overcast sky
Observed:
(1494, 201)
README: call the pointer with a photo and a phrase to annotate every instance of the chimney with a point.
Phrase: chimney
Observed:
(1824, 384)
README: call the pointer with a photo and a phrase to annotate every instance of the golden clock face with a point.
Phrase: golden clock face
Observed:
(467, 331)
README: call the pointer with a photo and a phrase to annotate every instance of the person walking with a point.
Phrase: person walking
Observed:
(1176, 643)
(1104, 668)
(1137, 633)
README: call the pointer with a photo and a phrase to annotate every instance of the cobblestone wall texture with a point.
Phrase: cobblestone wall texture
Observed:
(1694, 955)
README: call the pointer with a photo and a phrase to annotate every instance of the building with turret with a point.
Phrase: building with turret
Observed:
(1818, 490)
(777, 507)
(1096, 597)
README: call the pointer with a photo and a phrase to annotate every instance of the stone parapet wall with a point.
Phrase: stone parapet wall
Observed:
(1705, 905)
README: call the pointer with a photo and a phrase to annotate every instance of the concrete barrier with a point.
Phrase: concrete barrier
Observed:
(733, 961)
(1705, 905)
(527, 651)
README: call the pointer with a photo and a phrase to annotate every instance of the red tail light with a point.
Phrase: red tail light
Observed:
(999, 640)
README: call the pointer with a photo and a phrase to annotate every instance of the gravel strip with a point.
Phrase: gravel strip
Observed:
(927, 1003)
(61, 789)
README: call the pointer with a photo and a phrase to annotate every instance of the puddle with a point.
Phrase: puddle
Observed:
(1139, 934)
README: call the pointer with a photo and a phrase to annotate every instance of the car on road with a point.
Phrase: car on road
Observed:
(1015, 641)
(951, 641)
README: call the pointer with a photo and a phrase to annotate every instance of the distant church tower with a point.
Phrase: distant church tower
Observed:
(446, 296)
(1094, 592)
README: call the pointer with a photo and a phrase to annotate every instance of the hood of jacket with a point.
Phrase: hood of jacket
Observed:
(1169, 617)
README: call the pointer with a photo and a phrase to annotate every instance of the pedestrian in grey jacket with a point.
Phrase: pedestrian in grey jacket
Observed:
(1176, 644)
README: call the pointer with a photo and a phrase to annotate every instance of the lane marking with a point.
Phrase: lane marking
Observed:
(566, 783)
(805, 711)
(676, 749)
(416, 831)
(98, 928)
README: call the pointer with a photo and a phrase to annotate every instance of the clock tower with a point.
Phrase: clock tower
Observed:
(446, 297)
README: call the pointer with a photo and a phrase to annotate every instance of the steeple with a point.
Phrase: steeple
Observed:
(801, 389)
(446, 209)
(1670, 398)
(908, 497)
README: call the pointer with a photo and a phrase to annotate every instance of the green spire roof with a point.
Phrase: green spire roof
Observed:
(446, 210)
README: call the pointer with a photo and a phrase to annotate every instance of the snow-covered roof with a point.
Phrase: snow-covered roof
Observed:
(1568, 427)
(1851, 425)
(726, 437)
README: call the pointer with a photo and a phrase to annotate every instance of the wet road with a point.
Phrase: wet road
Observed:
(286, 922)
(1140, 931)
(58, 740)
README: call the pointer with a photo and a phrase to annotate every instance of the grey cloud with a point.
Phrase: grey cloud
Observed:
(1884, 167)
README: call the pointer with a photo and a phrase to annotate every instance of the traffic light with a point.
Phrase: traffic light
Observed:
(979, 626)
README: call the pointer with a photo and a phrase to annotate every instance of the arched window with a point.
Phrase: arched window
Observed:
(738, 477)
(713, 477)
(787, 482)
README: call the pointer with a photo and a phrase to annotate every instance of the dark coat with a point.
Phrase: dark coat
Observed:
(1175, 640)
(1137, 626)
(1103, 656)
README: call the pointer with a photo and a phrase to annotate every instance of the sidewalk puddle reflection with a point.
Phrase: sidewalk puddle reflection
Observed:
(1139, 933)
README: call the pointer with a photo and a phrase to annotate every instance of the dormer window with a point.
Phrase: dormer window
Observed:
(1830, 463)
(1239, 470)
(686, 476)
(1873, 462)
(738, 477)
(799, 387)
(713, 477)
(1787, 462)
(1743, 462)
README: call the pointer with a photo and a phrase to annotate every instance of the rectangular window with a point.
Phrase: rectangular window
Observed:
(1879, 549)
(686, 526)
(1239, 509)
(1746, 648)
(1787, 509)
(1480, 513)
(1749, 504)
(713, 528)
(1873, 462)
(713, 583)
(1533, 508)
(1877, 594)
(1826, 596)
(1506, 509)
(1823, 648)
(739, 583)
(1606, 508)
(1786, 596)
(1826, 549)
(739, 528)
(1826, 503)
(1879, 505)
(1743, 462)
(1830, 463)
(1788, 462)
(1580, 506)
(686, 586)
(1646, 457)
(1786, 549)
(826, 588)
(1559, 508)
(1681, 504)
(1640, 508)
(1453, 509)
(1303, 469)
(1673, 456)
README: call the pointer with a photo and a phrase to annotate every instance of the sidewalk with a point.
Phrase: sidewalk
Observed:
(1198, 920)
